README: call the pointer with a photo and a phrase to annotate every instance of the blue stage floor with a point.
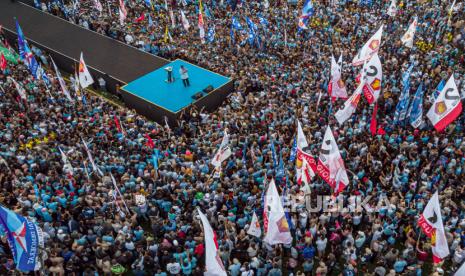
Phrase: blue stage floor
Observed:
(174, 96)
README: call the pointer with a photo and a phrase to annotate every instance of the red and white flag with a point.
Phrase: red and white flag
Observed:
(213, 264)
(223, 152)
(85, 79)
(123, 13)
(336, 86)
(431, 224)
(373, 77)
(254, 228)
(369, 49)
(278, 230)
(302, 144)
(305, 173)
(201, 23)
(349, 106)
(407, 38)
(330, 164)
(447, 106)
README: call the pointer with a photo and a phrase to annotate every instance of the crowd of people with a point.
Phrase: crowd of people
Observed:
(90, 228)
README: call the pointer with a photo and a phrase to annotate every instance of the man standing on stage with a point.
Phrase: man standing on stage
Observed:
(184, 76)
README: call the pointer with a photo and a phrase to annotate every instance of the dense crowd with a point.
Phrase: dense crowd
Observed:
(90, 229)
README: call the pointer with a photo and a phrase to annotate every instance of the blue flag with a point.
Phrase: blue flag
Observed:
(293, 150)
(281, 171)
(403, 104)
(236, 25)
(211, 34)
(150, 21)
(438, 89)
(252, 31)
(25, 52)
(155, 159)
(24, 238)
(263, 21)
(416, 109)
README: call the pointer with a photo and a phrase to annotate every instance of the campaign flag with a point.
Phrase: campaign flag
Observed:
(211, 34)
(430, 222)
(150, 142)
(273, 153)
(254, 228)
(349, 106)
(140, 18)
(369, 49)
(446, 107)
(278, 230)
(373, 77)
(252, 30)
(25, 52)
(416, 109)
(235, 24)
(85, 79)
(224, 152)
(392, 11)
(21, 91)
(201, 24)
(336, 87)
(439, 89)
(293, 154)
(173, 20)
(403, 104)
(98, 6)
(373, 123)
(10, 56)
(3, 62)
(307, 12)
(44, 77)
(155, 157)
(330, 164)
(150, 21)
(302, 146)
(123, 13)
(305, 173)
(184, 21)
(76, 85)
(407, 38)
(213, 264)
(62, 83)
(67, 167)
(91, 159)
(149, 4)
(25, 239)
(263, 21)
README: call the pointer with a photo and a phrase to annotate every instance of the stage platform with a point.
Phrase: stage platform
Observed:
(152, 96)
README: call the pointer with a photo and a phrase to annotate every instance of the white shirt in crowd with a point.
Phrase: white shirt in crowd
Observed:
(173, 268)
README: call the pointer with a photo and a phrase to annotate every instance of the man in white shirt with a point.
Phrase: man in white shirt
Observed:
(173, 267)
(184, 76)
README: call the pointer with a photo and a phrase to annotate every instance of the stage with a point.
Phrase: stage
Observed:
(152, 96)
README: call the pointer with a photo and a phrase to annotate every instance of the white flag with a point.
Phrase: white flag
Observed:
(85, 79)
(301, 140)
(98, 5)
(224, 152)
(213, 264)
(19, 88)
(369, 49)
(349, 106)
(431, 224)
(185, 22)
(392, 11)
(254, 228)
(67, 167)
(372, 78)
(407, 39)
(337, 88)
(173, 20)
(447, 106)
(330, 158)
(64, 89)
(91, 159)
(278, 228)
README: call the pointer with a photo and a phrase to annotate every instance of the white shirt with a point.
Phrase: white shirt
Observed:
(173, 268)
(183, 73)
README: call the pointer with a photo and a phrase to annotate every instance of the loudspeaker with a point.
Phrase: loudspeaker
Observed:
(208, 89)
(197, 96)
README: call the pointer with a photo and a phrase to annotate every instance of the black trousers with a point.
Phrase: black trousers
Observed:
(186, 82)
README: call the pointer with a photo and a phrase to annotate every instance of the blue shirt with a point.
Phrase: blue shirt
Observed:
(400, 265)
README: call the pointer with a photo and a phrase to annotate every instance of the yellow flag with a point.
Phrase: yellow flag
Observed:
(166, 34)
